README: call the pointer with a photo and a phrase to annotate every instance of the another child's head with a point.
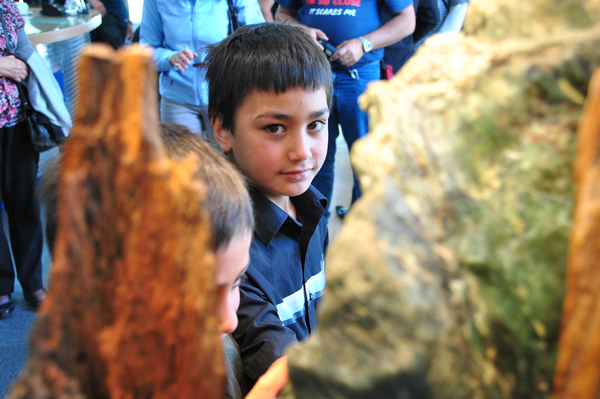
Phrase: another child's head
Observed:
(227, 203)
(270, 90)
(230, 210)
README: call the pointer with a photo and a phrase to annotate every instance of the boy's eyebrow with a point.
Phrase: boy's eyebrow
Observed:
(287, 117)
(321, 112)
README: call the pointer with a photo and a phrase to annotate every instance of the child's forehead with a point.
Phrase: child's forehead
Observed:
(273, 92)
(294, 104)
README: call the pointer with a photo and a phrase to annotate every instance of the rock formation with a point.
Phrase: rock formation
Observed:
(131, 307)
(447, 278)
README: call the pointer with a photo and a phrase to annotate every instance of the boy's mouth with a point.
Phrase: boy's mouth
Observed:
(297, 175)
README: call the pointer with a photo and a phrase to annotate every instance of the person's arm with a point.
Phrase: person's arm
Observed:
(13, 68)
(455, 18)
(272, 382)
(265, 8)
(400, 26)
(288, 16)
(152, 34)
(98, 5)
(24, 48)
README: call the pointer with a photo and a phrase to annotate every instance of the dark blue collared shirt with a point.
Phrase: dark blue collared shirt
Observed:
(285, 279)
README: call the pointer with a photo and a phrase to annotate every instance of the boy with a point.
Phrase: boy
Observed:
(270, 89)
(230, 210)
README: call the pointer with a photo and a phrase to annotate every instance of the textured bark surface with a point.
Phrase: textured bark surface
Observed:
(578, 365)
(447, 278)
(131, 307)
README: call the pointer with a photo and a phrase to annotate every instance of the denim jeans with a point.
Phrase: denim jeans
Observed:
(194, 117)
(345, 112)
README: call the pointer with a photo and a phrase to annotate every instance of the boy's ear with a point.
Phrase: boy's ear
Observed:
(222, 136)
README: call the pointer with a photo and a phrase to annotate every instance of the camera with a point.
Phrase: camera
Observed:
(328, 48)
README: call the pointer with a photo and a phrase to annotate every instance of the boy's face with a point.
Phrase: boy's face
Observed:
(232, 262)
(279, 140)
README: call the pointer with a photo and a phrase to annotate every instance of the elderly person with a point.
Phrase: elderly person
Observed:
(18, 170)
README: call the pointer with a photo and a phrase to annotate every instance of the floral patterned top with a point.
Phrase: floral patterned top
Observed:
(9, 95)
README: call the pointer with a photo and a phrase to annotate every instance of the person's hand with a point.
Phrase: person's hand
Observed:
(129, 34)
(271, 382)
(349, 52)
(317, 34)
(98, 5)
(182, 59)
(13, 68)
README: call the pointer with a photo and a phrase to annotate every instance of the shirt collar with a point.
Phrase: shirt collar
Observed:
(270, 218)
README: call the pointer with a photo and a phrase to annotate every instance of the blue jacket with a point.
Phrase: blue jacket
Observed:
(174, 25)
(285, 279)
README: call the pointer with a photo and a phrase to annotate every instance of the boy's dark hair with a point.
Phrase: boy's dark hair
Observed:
(227, 200)
(270, 57)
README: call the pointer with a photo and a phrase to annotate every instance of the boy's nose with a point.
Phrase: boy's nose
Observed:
(228, 316)
(300, 147)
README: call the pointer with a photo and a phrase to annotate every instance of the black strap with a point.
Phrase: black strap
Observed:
(7, 37)
(24, 97)
(233, 21)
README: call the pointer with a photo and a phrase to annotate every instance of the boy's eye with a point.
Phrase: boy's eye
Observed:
(274, 129)
(316, 126)
(236, 283)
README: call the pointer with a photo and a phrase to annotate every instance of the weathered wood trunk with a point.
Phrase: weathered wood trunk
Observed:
(577, 373)
(131, 310)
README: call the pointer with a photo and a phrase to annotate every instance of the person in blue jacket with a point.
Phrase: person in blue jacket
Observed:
(270, 90)
(179, 31)
(355, 27)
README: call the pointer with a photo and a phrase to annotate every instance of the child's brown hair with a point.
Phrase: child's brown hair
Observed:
(227, 200)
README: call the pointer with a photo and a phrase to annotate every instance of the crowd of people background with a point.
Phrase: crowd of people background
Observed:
(268, 98)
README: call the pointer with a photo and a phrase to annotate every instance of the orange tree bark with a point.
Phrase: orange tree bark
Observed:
(577, 374)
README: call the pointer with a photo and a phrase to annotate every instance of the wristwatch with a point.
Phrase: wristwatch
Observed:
(367, 46)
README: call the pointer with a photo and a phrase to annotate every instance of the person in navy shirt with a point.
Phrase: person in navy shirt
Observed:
(355, 27)
(116, 27)
(270, 90)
